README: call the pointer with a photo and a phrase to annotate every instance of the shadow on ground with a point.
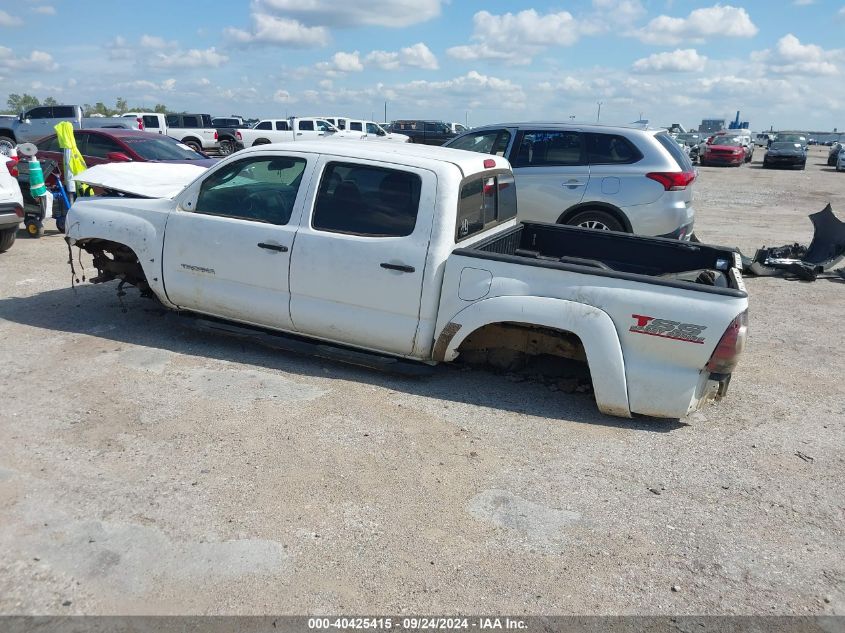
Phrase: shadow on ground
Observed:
(97, 311)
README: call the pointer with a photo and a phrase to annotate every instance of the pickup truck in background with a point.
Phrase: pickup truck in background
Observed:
(413, 253)
(425, 132)
(200, 139)
(371, 130)
(40, 121)
(285, 130)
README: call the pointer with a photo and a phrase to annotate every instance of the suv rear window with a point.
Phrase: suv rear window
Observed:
(611, 149)
(485, 201)
(675, 150)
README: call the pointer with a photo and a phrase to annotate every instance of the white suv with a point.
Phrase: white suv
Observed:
(11, 205)
(612, 178)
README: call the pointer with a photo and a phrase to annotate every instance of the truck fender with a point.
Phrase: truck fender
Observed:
(592, 326)
(136, 233)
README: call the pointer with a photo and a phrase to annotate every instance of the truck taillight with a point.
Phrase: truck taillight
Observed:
(239, 136)
(140, 123)
(673, 180)
(19, 211)
(215, 135)
(726, 355)
(12, 166)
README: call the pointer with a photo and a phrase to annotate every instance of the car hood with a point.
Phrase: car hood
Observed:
(147, 180)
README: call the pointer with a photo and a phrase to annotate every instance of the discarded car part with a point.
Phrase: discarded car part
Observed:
(805, 262)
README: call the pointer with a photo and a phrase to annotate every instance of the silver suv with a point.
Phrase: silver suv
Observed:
(596, 176)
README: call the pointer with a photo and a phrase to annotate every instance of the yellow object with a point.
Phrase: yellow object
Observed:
(64, 131)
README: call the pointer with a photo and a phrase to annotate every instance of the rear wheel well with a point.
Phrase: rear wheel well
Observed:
(261, 141)
(542, 352)
(594, 206)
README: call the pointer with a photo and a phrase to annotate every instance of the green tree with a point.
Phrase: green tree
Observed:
(120, 105)
(49, 101)
(18, 103)
(160, 108)
(100, 108)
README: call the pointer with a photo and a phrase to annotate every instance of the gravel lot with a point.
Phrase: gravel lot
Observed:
(148, 468)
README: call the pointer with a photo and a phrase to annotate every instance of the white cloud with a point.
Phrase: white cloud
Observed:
(154, 41)
(45, 9)
(470, 90)
(272, 30)
(193, 58)
(342, 63)
(282, 96)
(35, 61)
(516, 37)
(678, 61)
(7, 19)
(417, 56)
(343, 13)
(791, 57)
(803, 3)
(701, 24)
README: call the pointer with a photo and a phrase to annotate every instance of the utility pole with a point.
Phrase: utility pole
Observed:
(598, 116)
(385, 112)
(466, 119)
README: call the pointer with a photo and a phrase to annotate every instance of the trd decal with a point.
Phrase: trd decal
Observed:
(198, 269)
(675, 330)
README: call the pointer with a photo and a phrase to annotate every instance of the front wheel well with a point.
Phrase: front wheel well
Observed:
(116, 261)
(597, 206)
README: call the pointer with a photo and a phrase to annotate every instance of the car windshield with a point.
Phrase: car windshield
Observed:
(161, 149)
(785, 145)
(729, 141)
(792, 138)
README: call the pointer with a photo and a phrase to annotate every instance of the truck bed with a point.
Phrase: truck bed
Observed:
(654, 260)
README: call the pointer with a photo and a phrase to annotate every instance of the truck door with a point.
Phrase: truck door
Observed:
(154, 123)
(227, 246)
(359, 259)
(551, 172)
(37, 124)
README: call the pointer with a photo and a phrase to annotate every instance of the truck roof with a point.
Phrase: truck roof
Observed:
(405, 153)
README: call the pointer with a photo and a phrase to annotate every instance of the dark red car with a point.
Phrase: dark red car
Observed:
(114, 145)
(724, 150)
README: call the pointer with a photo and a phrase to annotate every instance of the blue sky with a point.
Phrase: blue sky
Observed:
(782, 62)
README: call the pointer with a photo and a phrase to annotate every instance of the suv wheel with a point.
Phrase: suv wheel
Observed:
(596, 219)
(7, 238)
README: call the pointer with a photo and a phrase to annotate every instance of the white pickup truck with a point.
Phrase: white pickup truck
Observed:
(413, 252)
(285, 130)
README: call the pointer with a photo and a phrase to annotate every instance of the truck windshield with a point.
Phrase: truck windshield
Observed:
(161, 149)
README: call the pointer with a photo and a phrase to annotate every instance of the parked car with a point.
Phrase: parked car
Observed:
(194, 130)
(371, 130)
(724, 150)
(745, 139)
(229, 140)
(833, 154)
(414, 254)
(840, 161)
(286, 130)
(595, 176)
(11, 207)
(225, 121)
(785, 154)
(40, 121)
(764, 139)
(791, 137)
(426, 132)
(113, 146)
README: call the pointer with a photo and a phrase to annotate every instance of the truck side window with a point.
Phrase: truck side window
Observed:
(257, 189)
(369, 201)
(282, 126)
(355, 126)
(191, 120)
(264, 125)
(64, 112)
(42, 112)
(485, 202)
(150, 122)
(306, 126)
(172, 120)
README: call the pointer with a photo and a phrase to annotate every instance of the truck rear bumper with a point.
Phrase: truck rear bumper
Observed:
(11, 214)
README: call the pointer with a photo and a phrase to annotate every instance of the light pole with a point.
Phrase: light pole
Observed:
(598, 116)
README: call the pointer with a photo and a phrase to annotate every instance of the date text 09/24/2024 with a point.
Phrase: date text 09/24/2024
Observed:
(416, 623)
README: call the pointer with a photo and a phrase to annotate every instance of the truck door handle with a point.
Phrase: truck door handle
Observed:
(402, 268)
(273, 247)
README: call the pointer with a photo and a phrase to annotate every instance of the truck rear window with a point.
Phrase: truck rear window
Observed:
(485, 201)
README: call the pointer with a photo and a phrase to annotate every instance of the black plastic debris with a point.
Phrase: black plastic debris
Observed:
(804, 262)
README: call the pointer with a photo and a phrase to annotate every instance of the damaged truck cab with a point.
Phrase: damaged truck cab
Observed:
(414, 252)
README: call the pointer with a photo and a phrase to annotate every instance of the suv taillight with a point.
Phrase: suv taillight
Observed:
(673, 180)
(726, 355)
(12, 166)
(140, 123)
